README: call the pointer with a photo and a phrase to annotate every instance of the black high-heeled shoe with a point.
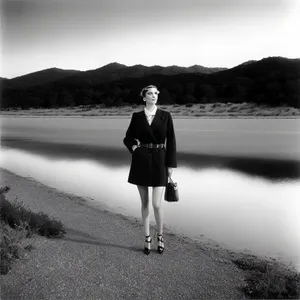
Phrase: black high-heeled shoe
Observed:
(160, 244)
(147, 247)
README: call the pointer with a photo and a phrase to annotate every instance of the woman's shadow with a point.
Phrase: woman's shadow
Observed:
(80, 237)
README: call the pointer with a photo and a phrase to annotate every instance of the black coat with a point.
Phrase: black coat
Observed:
(149, 166)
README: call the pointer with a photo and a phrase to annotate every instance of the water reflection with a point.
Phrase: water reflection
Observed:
(273, 169)
(238, 211)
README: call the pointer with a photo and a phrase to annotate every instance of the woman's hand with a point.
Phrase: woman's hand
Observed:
(135, 146)
(170, 171)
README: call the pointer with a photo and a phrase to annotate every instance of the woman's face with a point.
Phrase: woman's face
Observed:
(151, 96)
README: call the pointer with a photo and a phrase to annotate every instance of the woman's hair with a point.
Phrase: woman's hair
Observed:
(145, 89)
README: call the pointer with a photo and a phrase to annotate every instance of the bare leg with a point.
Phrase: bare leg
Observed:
(144, 194)
(157, 207)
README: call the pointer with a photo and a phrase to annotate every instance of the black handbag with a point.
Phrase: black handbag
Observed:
(171, 192)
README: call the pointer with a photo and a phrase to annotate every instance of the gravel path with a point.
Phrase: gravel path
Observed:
(101, 257)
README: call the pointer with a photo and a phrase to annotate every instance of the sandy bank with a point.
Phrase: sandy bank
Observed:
(208, 110)
(101, 256)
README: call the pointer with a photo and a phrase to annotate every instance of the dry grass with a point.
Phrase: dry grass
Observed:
(209, 110)
(13, 244)
(269, 280)
(18, 224)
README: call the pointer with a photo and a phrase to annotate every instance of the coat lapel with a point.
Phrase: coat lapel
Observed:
(155, 125)
(157, 119)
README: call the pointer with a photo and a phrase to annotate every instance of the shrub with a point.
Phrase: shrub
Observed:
(220, 110)
(249, 110)
(15, 214)
(251, 264)
(16, 224)
(11, 245)
(234, 108)
(272, 285)
(268, 280)
(246, 105)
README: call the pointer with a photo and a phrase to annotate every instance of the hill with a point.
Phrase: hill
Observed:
(272, 81)
(111, 72)
(38, 78)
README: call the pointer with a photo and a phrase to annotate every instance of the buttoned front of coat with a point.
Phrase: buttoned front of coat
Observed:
(149, 166)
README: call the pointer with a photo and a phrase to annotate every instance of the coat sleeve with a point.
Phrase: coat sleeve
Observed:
(171, 157)
(129, 139)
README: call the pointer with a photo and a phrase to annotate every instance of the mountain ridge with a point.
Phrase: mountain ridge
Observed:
(272, 80)
(108, 72)
(40, 77)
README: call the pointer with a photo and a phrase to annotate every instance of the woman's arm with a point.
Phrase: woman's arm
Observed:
(171, 157)
(129, 139)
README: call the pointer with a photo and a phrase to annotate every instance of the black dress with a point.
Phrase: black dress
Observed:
(149, 165)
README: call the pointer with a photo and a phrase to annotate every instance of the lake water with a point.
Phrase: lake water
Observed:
(242, 203)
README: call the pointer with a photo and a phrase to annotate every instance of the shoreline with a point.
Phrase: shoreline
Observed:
(97, 205)
(99, 238)
(190, 111)
(127, 117)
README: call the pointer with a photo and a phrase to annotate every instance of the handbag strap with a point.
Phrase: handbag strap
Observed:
(171, 179)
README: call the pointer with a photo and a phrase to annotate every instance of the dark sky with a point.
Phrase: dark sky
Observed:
(87, 34)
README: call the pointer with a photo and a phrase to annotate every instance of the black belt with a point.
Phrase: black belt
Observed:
(152, 145)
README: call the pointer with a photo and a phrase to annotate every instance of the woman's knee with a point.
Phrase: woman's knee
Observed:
(145, 206)
(156, 205)
(144, 194)
(157, 198)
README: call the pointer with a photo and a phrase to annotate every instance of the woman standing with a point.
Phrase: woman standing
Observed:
(150, 138)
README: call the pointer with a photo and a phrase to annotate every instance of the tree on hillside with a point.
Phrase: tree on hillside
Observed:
(292, 90)
(97, 97)
(190, 88)
(11, 98)
(177, 92)
(165, 97)
(83, 97)
(133, 96)
(208, 91)
(273, 93)
(108, 100)
(65, 98)
(125, 94)
(87, 98)
(189, 99)
(34, 101)
(51, 100)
